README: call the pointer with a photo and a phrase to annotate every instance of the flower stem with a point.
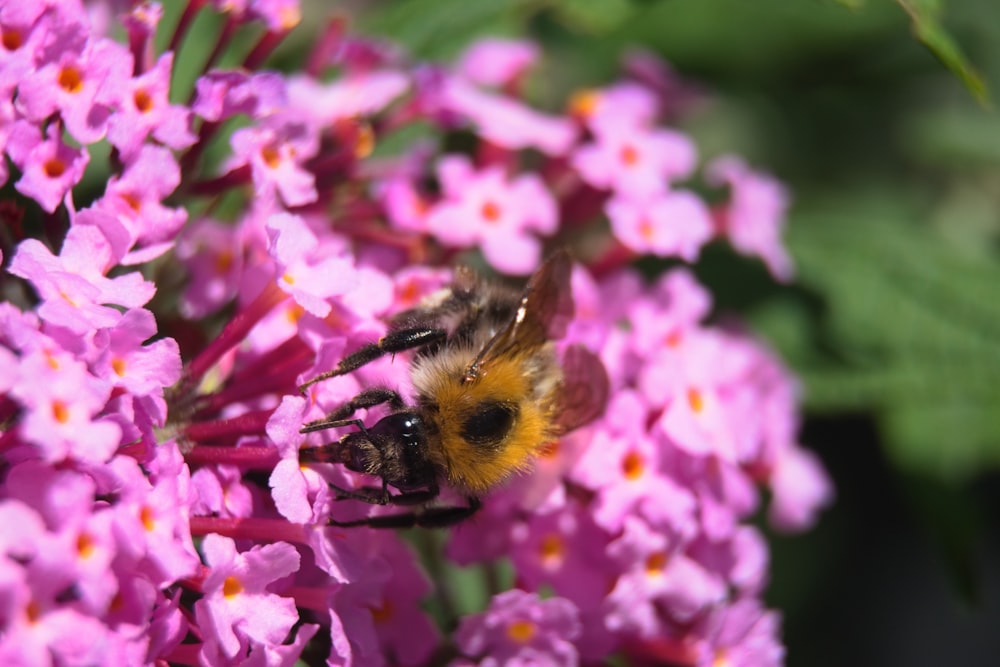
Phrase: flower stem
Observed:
(258, 458)
(249, 423)
(233, 333)
(253, 528)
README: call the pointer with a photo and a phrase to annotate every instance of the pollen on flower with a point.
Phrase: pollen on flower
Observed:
(85, 546)
(696, 400)
(583, 102)
(673, 339)
(223, 261)
(118, 365)
(364, 143)
(290, 17)
(629, 155)
(288, 278)
(552, 548)
(294, 313)
(231, 587)
(133, 202)
(11, 40)
(60, 411)
(720, 659)
(646, 229)
(633, 466)
(382, 612)
(521, 631)
(33, 611)
(54, 167)
(491, 211)
(70, 79)
(656, 563)
(52, 361)
(143, 101)
(148, 519)
(271, 156)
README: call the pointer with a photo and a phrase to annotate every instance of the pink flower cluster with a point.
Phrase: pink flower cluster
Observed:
(154, 507)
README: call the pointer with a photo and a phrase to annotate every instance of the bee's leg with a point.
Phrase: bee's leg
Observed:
(394, 341)
(366, 399)
(433, 517)
(380, 496)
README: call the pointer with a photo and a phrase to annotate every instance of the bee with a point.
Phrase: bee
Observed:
(491, 393)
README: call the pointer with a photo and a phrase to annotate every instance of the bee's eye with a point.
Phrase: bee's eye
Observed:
(490, 424)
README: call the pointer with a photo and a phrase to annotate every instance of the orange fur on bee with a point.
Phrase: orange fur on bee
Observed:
(529, 381)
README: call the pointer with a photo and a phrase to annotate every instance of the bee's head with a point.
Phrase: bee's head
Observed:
(395, 449)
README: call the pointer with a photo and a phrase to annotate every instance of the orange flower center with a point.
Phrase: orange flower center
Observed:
(633, 465)
(143, 101)
(60, 411)
(231, 587)
(629, 155)
(70, 79)
(521, 631)
(491, 211)
(54, 167)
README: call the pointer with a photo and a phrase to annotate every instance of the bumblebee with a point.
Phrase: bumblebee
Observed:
(491, 392)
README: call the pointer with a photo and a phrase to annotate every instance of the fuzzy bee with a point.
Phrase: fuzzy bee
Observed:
(491, 392)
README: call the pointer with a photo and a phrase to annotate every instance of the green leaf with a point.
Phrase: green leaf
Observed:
(593, 16)
(925, 18)
(438, 29)
(912, 330)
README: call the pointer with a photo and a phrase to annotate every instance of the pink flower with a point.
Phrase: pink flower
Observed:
(485, 207)
(358, 94)
(75, 84)
(275, 152)
(663, 223)
(306, 271)
(497, 62)
(521, 629)
(237, 610)
(755, 213)
(801, 488)
(222, 95)
(634, 160)
(507, 122)
(49, 167)
(143, 109)
(136, 199)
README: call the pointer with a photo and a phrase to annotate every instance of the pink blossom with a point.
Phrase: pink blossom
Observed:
(75, 84)
(358, 94)
(143, 109)
(521, 629)
(237, 610)
(485, 207)
(497, 62)
(663, 223)
(755, 214)
(634, 160)
(507, 122)
(306, 273)
(49, 167)
(275, 153)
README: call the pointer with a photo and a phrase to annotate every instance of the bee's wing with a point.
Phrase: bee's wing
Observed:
(543, 314)
(585, 388)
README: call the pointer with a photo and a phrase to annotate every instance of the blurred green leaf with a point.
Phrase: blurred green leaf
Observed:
(925, 17)
(914, 331)
(438, 29)
(593, 17)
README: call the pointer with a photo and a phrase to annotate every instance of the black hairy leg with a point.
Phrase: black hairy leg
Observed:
(430, 517)
(366, 399)
(395, 341)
